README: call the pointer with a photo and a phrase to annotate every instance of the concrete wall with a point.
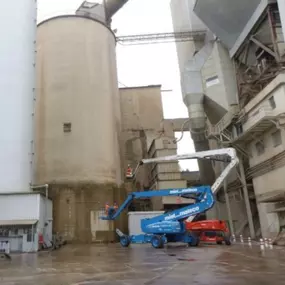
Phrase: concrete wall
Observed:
(271, 149)
(270, 182)
(261, 107)
(237, 205)
(46, 218)
(269, 222)
(273, 179)
(77, 85)
(165, 175)
(141, 122)
(76, 211)
(137, 112)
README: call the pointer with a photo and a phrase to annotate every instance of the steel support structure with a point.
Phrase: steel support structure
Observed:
(161, 37)
(246, 199)
(228, 205)
(253, 78)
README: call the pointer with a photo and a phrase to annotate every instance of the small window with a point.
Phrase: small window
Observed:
(260, 148)
(272, 102)
(277, 138)
(67, 127)
(211, 81)
(30, 236)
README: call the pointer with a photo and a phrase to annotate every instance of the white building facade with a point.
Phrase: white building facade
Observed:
(24, 219)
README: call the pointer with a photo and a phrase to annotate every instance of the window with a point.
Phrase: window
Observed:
(67, 127)
(30, 237)
(272, 102)
(277, 138)
(211, 81)
(260, 148)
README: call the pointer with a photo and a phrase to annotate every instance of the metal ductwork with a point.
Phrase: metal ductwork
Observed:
(193, 97)
(102, 12)
(113, 6)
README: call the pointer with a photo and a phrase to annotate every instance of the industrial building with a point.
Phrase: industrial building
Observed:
(81, 131)
(73, 132)
(243, 83)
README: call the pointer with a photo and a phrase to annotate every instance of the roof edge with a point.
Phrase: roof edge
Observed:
(75, 16)
(141, 87)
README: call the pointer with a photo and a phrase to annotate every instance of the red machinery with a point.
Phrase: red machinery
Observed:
(210, 231)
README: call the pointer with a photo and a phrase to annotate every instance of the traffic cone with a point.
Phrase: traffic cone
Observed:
(270, 242)
(262, 244)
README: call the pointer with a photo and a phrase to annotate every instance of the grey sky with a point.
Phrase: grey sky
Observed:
(145, 64)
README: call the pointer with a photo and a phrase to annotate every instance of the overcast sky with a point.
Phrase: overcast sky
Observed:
(144, 64)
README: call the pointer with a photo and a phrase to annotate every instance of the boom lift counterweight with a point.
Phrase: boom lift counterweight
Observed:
(170, 227)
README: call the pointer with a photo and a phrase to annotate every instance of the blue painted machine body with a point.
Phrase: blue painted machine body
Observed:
(168, 227)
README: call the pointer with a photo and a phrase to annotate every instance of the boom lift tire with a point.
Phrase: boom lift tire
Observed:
(195, 241)
(125, 241)
(157, 242)
(227, 241)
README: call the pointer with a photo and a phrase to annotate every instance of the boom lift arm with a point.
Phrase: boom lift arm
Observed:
(224, 154)
(199, 194)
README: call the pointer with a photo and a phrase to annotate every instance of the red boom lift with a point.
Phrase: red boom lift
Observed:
(210, 231)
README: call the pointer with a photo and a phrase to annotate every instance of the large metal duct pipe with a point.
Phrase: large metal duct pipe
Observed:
(193, 97)
(113, 6)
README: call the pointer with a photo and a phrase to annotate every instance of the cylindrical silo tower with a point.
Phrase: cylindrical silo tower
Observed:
(17, 93)
(77, 107)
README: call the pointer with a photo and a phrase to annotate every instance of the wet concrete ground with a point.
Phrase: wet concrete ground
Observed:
(140, 264)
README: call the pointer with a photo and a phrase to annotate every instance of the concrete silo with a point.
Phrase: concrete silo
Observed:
(76, 107)
(17, 86)
(78, 123)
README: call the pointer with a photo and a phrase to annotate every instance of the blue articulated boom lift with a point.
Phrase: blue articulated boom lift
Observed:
(170, 227)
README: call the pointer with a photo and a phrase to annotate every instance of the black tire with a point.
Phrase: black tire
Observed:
(195, 241)
(157, 242)
(228, 241)
(125, 241)
(219, 242)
